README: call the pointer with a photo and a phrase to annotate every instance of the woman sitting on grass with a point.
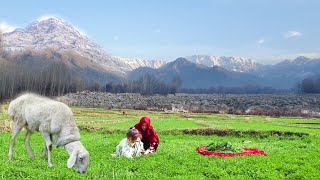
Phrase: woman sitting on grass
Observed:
(148, 135)
(131, 145)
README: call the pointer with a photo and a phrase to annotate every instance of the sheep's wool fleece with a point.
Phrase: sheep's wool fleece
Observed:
(45, 115)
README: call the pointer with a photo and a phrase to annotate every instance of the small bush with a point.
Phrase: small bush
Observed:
(225, 147)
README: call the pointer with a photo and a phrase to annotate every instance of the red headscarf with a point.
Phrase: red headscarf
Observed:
(149, 134)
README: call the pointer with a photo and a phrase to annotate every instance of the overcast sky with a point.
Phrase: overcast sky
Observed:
(265, 30)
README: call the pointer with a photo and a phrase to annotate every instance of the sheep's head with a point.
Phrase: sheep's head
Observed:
(80, 160)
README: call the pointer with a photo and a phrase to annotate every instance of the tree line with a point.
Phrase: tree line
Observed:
(246, 89)
(147, 84)
(309, 85)
(54, 80)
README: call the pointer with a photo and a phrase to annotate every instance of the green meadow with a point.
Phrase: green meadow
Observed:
(292, 145)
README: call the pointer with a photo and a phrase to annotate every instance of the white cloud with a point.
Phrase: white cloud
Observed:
(291, 34)
(5, 27)
(261, 41)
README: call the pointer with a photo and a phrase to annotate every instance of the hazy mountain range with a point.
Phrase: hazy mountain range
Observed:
(197, 75)
(238, 64)
(284, 75)
(56, 40)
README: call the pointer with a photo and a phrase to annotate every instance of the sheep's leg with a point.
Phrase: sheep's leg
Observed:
(44, 151)
(27, 143)
(47, 137)
(16, 130)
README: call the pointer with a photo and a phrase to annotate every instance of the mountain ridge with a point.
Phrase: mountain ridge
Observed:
(233, 63)
(60, 36)
(57, 40)
(196, 75)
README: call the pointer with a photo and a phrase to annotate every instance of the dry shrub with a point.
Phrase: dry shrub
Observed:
(233, 132)
(5, 126)
(281, 112)
(101, 129)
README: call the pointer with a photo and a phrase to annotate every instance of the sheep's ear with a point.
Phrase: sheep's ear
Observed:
(72, 159)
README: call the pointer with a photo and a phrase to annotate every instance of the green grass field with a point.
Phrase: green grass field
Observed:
(290, 157)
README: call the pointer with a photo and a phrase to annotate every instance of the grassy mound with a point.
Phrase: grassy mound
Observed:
(225, 147)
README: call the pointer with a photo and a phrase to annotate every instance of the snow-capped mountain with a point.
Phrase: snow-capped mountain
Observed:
(284, 75)
(238, 64)
(61, 37)
(53, 33)
(301, 67)
(288, 72)
(195, 75)
(53, 39)
(136, 63)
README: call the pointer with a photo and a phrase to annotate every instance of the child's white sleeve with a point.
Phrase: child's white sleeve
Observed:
(139, 148)
(123, 149)
(118, 150)
(127, 154)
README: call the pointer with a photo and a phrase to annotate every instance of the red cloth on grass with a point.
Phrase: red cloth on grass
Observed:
(202, 150)
(150, 135)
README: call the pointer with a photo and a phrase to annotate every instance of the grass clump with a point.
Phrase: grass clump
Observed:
(225, 147)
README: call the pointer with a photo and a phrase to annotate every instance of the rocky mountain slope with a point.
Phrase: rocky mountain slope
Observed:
(54, 35)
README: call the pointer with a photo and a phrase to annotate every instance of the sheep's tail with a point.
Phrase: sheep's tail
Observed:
(11, 115)
(10, 120)
(12, 111)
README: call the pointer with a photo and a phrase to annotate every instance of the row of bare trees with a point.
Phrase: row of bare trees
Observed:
(147, 84)
(54, 80)
(309, 85)
(246, 89)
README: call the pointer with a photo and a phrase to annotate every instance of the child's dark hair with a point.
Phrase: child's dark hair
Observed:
(133, 133)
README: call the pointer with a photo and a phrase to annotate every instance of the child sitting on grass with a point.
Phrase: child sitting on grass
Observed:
(131, 145)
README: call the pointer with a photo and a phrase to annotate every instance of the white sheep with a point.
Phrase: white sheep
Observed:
(55, 121)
